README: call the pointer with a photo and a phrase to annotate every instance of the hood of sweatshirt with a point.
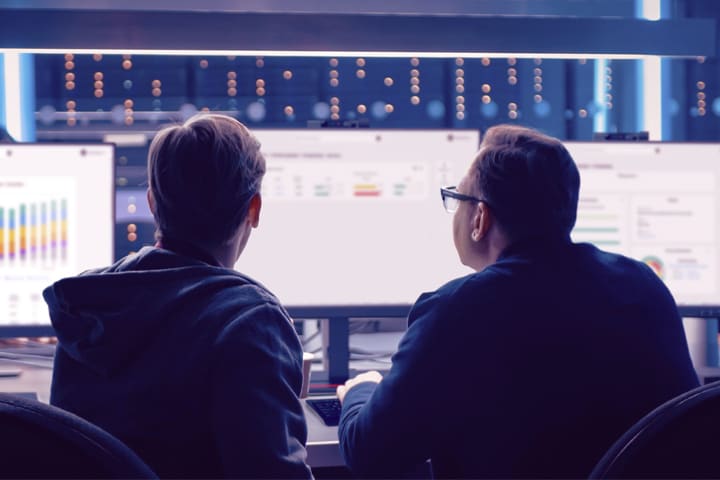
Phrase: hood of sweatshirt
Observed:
(101, 316)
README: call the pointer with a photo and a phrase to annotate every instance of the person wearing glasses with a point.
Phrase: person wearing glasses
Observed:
(535, 364)
(193, 365)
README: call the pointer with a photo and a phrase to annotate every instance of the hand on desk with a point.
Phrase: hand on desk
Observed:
(371, 376)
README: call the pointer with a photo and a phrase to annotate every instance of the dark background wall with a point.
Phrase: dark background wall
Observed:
(85, 97)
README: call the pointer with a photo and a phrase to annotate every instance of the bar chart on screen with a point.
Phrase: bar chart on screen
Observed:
(37, 240)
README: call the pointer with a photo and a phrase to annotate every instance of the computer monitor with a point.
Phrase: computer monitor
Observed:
(658, 203)
(56, 220)
(352, 222)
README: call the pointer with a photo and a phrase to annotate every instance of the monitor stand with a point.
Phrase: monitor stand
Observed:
(702, 339)
(336, 355)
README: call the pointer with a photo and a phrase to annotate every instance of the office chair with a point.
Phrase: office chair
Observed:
(42, 441)
(679, 439)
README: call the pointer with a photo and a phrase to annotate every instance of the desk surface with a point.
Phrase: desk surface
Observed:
(322, 445)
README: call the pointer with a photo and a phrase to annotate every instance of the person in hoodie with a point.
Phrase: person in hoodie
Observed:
(535, 364)
(193, 365)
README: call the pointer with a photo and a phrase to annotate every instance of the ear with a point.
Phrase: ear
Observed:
(254, 210)
(151, 201)
(482, 221)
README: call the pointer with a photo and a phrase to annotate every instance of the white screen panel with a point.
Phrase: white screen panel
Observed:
(354, 217)
(56, 220)
(658, 203)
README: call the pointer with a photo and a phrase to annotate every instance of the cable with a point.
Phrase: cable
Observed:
(310, 337)
(33, 360)
(362, 351)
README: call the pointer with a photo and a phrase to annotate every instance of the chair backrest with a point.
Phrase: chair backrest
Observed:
(679, 439)
(42, 441)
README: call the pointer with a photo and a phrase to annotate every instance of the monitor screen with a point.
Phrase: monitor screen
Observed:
(56, 220)
(658, 203)
(352, 220)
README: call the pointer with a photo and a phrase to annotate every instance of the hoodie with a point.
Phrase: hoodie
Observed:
(195, 367)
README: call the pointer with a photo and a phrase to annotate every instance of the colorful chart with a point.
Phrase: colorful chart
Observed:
(24, 237)
(656, 264)
(38, 243)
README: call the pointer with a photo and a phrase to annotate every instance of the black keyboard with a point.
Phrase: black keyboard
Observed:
(327, 408)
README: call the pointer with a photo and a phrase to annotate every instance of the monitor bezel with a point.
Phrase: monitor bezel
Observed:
(349, 311)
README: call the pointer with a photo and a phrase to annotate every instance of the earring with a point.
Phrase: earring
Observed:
(475, 235)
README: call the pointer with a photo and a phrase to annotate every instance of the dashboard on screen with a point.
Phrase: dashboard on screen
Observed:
(352, 220)
(56, 220)
(657, 203)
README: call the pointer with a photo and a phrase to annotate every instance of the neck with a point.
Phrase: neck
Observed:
(538, 243)
(224, 254)
(228, 252)
(188, 249)
(488, 250)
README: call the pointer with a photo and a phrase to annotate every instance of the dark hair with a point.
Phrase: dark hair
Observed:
(530, 181)
(203, 175)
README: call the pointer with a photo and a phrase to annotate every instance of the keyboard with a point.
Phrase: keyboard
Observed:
(327, 408)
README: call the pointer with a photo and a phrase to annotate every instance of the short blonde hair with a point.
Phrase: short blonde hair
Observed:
(202, 175)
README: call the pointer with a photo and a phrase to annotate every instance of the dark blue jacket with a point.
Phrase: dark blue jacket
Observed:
(532, 367)
(196, 367)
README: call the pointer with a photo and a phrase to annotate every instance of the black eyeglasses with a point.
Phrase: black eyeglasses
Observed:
(451, 198)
